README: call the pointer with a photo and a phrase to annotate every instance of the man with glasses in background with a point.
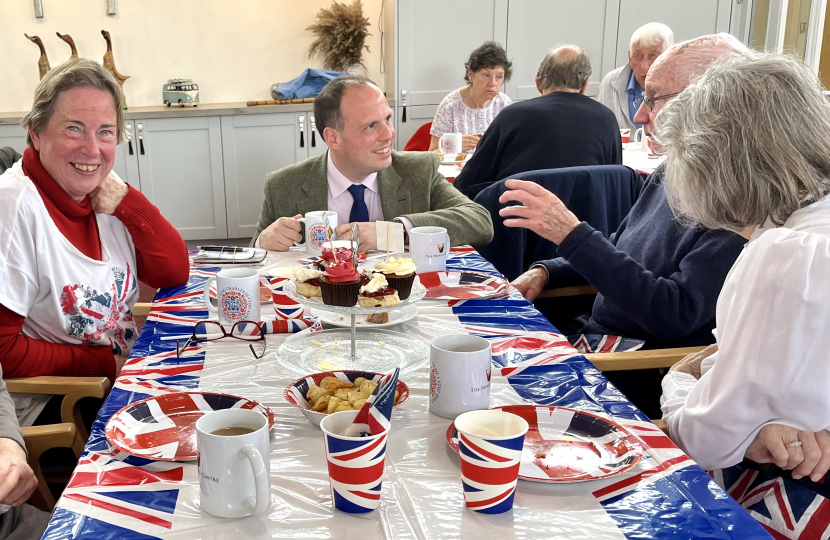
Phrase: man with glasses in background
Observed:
(658, 279)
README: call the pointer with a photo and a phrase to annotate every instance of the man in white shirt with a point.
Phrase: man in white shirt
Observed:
(363, 180)
(622, 89)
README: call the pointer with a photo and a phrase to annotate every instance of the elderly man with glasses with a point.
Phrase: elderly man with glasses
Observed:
(658, 280)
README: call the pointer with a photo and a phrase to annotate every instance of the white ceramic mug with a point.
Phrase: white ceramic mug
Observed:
(237, 292)
(429, 247)
(450, 143)
(235, 470)
(315, 230)
(459, 372)
(638, 141)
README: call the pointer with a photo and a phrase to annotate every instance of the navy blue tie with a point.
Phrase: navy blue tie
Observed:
(360, 212)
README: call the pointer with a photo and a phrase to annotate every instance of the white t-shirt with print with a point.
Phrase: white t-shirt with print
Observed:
(65, 296)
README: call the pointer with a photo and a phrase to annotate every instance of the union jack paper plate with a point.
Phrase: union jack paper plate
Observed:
(462, 285)
(163, 428)
(566, 445)
(295, 393)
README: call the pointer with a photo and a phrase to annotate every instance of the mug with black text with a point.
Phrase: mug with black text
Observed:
(429, 247)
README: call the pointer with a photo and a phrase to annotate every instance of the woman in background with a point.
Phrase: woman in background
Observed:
(470, 109)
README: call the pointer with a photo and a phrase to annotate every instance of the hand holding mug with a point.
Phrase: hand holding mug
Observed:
(281, 234)
(469, 142)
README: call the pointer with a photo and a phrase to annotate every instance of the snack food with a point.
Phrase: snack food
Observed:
(307, 282)
(378, 293)
(461, 157)
(340, 284)
(399, 273)
(377, 318)
(333, 395)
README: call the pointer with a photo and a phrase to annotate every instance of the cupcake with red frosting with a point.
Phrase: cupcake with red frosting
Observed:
(340, 284)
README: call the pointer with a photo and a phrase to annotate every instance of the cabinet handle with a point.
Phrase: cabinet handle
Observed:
(129, 138)
(141, 139)
(313, 130)
(403, 102)
(302, 130)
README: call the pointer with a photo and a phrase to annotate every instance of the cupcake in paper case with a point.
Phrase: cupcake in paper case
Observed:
(378, 293)
(340, 284)
(399, 273)
(307, 282)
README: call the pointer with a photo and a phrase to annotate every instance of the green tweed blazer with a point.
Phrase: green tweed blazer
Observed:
(412, 187)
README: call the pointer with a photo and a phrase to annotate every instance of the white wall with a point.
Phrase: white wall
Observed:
(235, 51)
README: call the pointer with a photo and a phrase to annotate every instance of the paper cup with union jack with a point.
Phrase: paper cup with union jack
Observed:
(355, 464)
(490, 444)
(284, 307)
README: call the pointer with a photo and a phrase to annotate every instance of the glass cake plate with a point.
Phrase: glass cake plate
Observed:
(343, 349)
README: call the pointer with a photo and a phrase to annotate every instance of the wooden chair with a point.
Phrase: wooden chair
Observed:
(38, 439)
(142, 309)
(74, 389)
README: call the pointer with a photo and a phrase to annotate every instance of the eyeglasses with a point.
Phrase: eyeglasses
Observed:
(213, 331)
(649, 102)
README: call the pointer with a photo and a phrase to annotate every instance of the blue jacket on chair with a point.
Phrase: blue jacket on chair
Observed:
(600, 195)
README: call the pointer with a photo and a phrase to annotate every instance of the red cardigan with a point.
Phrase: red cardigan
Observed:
(161, 257)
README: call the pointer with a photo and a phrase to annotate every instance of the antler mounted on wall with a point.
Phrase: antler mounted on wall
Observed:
(43, 62)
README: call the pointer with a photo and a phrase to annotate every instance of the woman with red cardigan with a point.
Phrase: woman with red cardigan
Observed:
(74, 238)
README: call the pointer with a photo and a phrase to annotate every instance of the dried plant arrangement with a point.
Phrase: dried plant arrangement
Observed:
(340, 34)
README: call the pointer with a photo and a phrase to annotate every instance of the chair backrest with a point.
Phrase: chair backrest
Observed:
(602, 195)
(419, 142)
(8, 156)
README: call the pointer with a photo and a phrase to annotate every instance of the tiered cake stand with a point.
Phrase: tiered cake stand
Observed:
(339, 349)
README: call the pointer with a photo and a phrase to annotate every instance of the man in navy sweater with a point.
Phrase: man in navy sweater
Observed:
(561, 128)
(658, 280)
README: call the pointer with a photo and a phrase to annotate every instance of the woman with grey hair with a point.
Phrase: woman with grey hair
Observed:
(748, 147)
(470, 109)
(74, 238)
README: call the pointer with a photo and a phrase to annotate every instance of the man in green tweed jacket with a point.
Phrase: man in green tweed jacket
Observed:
(363, 180)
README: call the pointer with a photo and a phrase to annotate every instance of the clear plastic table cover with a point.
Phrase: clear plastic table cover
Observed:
(115, 496)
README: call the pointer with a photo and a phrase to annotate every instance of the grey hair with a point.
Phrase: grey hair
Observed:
(651, 34)
(78, 73)
(568, 66)
(746, 142)
(686, 61)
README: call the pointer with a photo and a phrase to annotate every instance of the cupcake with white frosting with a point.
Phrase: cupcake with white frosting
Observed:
(399, 273)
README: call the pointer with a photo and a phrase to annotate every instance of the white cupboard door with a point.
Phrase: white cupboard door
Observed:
(180, 162)
(435, 38)
(316, 144)
(13, 136)
(255, 145)
(686, 19)
(536, 26)
(126, 158)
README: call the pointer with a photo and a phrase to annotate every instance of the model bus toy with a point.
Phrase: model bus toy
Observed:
(181, 91)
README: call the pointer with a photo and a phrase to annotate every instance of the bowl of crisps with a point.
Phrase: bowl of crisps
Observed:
(320, 394)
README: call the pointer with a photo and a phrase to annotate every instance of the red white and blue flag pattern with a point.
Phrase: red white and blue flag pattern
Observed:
(375, 416)
(355, 469)
(115, 496)
(489, 471)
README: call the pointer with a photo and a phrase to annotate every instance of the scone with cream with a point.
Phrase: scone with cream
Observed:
(378, 293)
(399, 273)
(307, 282)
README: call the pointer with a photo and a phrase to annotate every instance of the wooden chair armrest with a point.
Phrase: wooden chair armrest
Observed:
(74, 389)
(569, 291)
(628, 360)
(142, 309)
(661, 425)
(62, 386)
(38, 439)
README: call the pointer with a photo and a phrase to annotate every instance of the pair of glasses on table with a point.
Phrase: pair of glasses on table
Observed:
(204, 331)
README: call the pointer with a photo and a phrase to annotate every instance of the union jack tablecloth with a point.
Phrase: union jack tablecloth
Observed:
(115, 496)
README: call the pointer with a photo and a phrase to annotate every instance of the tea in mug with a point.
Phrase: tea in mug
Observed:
(232, 431)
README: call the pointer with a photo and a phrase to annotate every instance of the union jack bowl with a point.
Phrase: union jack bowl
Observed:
(295, 392)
